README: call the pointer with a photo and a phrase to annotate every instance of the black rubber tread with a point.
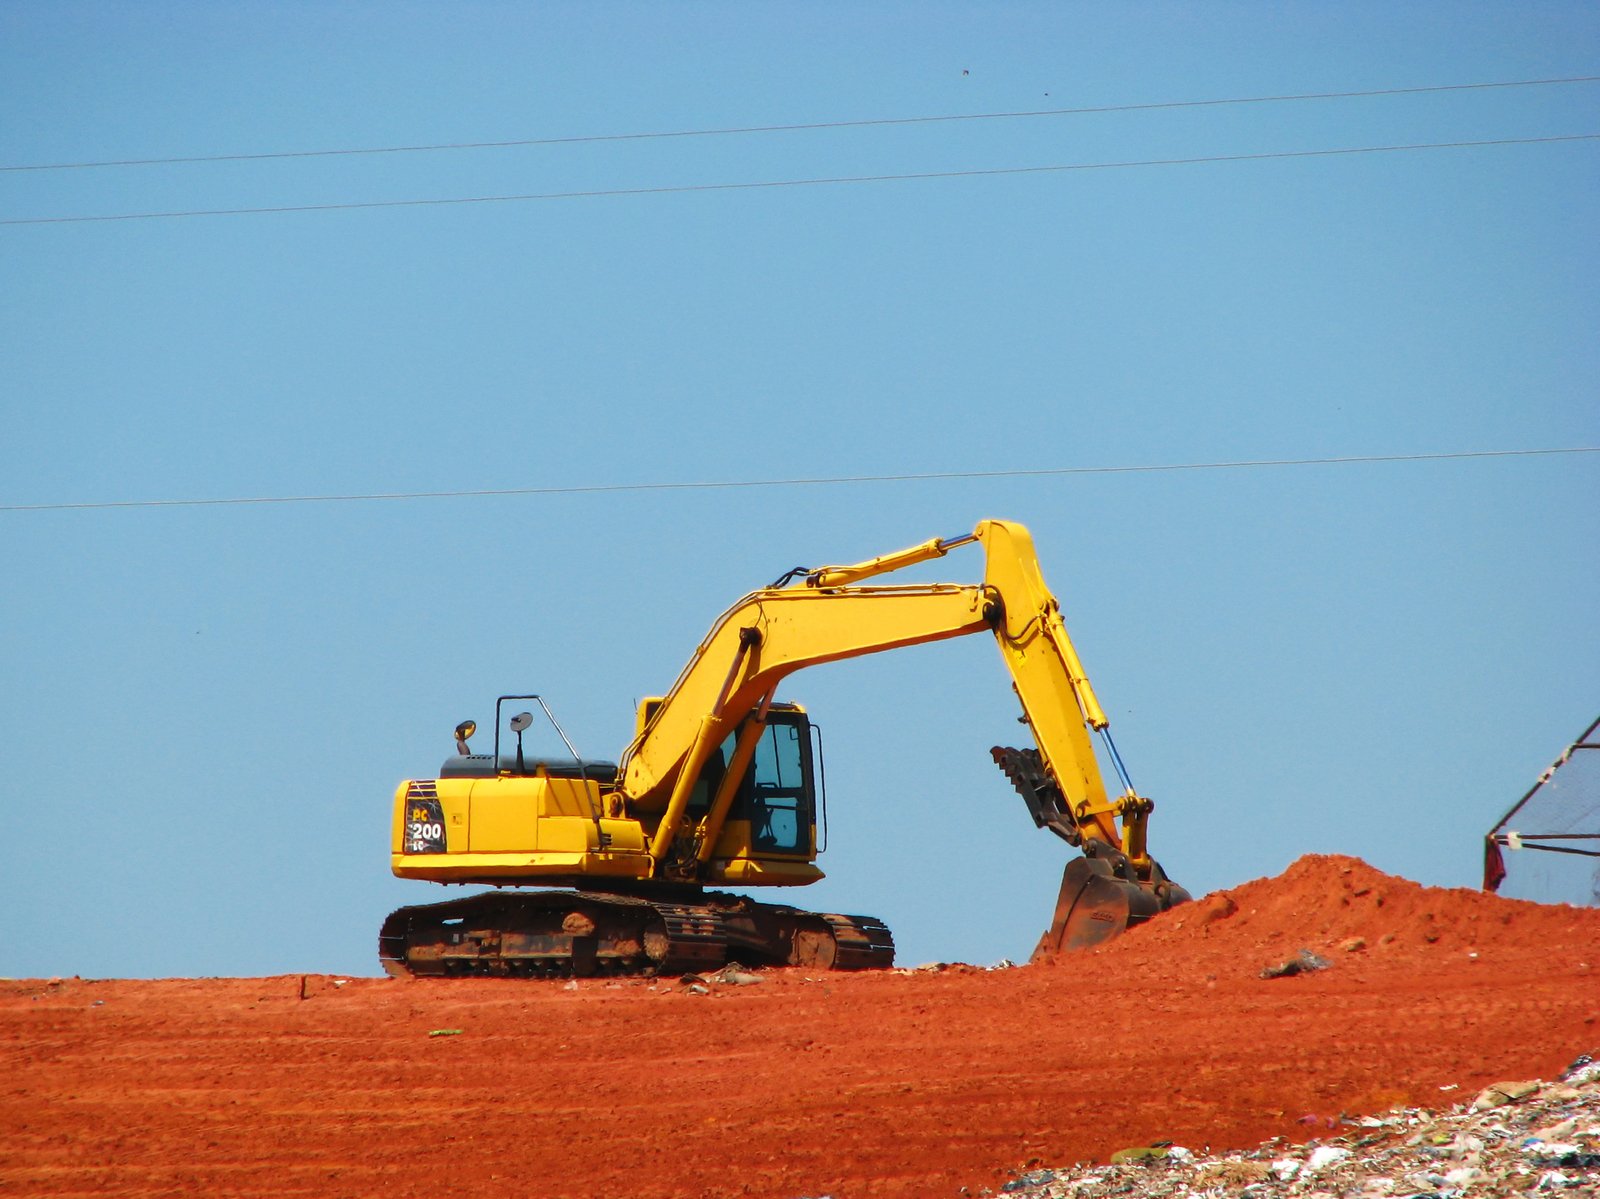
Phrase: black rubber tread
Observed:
(497, 912)
(392, 943)
(694, 939)
(696, 936)
(863, 942)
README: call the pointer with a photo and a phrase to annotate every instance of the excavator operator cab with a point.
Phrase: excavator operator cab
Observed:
(778, 798)
(774, 810)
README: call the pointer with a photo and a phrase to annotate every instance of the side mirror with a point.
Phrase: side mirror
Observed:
(519, 724)
(464, 730)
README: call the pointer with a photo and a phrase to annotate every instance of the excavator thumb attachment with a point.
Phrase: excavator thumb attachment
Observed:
(1096, 903)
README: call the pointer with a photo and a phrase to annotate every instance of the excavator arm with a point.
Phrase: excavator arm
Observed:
(828, 616)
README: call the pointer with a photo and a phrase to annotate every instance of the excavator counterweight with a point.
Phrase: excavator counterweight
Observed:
(720, 787)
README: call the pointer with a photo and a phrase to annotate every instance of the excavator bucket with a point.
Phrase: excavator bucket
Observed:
(1094, 905)
(1101, 895)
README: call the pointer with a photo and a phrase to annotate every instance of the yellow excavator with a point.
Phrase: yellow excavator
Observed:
(719, 787)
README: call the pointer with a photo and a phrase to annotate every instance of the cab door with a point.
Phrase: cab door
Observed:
(777, 797)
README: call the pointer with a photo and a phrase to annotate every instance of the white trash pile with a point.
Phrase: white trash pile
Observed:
(1516, 1138)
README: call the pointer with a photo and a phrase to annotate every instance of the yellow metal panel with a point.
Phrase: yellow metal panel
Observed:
(570, 797)
(737, 842)
(625, 835)
(397, 823)
(734, 861)
(501, 867)
(566, 834)
(754, 872)
(505, 816)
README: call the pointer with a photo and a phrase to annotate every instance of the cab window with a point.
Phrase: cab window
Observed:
(778, 801)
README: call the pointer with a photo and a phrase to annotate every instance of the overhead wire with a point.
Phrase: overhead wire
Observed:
(862, 123)
(683, 189)
(814, 481)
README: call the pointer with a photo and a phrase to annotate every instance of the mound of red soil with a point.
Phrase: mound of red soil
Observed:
(1340, 904)
(893, 1084)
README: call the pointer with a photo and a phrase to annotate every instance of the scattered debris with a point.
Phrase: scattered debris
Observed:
(1303, 962)
(1530, 1139)
(731, 975)
(1502, 1093)
(1029, 1182)
(1584, 1069)
(1140, 1153)
(1324, 1156)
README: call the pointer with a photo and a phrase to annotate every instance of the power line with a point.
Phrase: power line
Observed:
(820, 481)
(816, 182)
(814, 125)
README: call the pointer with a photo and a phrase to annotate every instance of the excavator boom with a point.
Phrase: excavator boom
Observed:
(831, 615)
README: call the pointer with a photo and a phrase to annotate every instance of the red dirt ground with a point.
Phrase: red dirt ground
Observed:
(888, 1084)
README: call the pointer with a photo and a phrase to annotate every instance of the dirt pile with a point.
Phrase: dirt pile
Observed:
(890, 1084)
(1331, 901)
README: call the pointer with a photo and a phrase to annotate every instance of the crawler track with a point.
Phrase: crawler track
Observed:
(547, 934)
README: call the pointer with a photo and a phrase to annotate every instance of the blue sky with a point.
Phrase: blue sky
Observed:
(207, 708)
